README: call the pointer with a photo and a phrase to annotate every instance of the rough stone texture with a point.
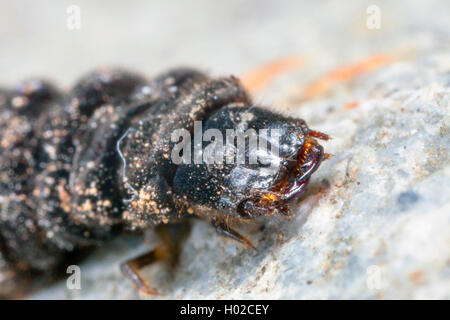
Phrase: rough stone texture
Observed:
(376, 219)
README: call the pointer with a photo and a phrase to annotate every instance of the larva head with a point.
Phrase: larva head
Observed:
(265, 163)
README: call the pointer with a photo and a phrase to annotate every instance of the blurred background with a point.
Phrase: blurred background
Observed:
(375, 75)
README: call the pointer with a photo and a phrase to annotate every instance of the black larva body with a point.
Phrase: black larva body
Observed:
(77, 169)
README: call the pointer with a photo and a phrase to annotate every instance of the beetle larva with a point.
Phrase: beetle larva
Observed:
(81, 167)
